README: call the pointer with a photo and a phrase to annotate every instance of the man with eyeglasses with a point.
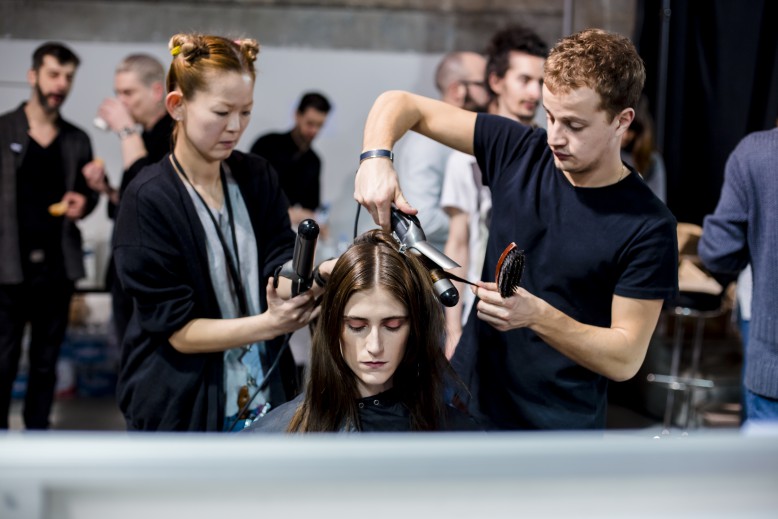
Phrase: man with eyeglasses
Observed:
(514, 75)
(421, 162)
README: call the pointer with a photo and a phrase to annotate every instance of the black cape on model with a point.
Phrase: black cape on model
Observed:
(378, 413)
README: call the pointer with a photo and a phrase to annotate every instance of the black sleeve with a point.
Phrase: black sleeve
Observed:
(498, 141)
(150, 263)
(651, 264)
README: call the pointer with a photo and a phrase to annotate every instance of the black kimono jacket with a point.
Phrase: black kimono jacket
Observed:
(162, 263)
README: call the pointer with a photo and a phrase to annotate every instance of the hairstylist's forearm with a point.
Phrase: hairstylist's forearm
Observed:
(396, 112)
(376, 186)
(214, 335)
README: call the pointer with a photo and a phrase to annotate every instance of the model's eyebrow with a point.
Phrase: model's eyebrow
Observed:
(358, 318)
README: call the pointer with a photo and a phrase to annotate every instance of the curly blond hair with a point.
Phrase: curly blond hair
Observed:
(608, 63)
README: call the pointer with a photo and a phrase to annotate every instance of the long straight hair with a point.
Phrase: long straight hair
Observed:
(331, 396)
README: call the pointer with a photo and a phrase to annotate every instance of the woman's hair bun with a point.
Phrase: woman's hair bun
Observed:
(249, 47)
(188, 46)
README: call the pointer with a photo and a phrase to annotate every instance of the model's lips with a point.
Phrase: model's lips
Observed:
(561, 156)
(374, 364)
(228, 144)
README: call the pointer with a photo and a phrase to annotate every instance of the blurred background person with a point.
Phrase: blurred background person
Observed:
(741, 231)
(514, 73)
(421, 162)
(638, 149)
(138, 117)
(44, 193)
(291, 155)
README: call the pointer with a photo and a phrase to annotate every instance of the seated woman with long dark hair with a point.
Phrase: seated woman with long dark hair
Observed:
(377, 361)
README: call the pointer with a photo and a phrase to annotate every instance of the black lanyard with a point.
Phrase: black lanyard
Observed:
(232, 267)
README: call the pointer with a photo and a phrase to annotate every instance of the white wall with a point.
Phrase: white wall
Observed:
(351, 79)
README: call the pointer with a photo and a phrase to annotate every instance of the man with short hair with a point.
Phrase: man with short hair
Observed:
(601, 252)
(421, 162)
(514, 75)
(514, 72)
(43, 194)
(137, 115)
(291, 155)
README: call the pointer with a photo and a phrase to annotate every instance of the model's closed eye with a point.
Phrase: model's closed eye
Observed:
(395, 323)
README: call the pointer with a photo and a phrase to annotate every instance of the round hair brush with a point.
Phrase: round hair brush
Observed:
(509, 269)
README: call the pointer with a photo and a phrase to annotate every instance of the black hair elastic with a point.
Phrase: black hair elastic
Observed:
(317, 277)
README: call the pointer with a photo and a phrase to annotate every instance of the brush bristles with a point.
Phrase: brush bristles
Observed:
(510, 272)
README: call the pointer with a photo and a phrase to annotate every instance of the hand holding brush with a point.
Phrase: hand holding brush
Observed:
(507, 275)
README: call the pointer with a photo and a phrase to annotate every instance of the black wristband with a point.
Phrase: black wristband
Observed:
(317, 277)
(371, 154)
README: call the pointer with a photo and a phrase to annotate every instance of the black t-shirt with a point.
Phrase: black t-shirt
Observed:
(582, 245)
(40, 183)
(298, 171)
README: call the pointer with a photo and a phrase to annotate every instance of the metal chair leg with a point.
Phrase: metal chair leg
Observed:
(674, 368)
(695, 371)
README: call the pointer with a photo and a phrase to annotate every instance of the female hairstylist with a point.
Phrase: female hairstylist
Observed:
(196, 236)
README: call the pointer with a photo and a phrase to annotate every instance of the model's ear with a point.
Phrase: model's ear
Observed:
(174, 103)
(32, 77)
